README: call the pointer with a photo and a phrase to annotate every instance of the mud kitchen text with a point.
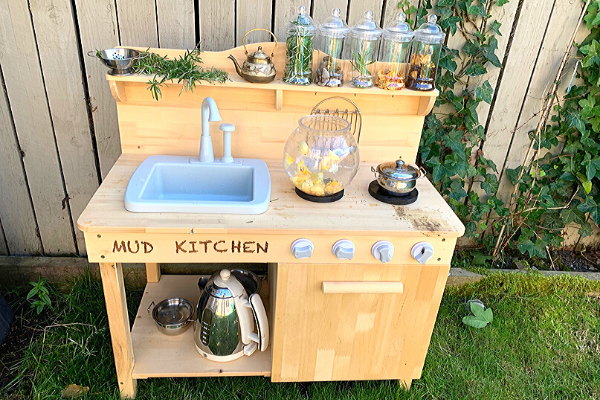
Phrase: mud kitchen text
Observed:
(194, 246)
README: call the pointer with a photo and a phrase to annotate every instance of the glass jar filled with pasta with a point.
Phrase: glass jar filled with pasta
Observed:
(394, 55)
(425, 55)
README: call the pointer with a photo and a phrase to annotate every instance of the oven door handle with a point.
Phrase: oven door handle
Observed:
(362, 287)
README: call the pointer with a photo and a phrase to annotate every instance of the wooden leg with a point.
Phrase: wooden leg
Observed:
(405, 383)
(152, 272)
(118, 322)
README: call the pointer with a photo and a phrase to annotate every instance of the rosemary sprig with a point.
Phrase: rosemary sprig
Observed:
(185, 69)
(360, 63)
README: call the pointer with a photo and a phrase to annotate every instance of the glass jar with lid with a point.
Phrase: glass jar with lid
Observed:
(321, 157)
(299, 49)
(394, 55)
(362, 51)
(426, 49)
(329, 66)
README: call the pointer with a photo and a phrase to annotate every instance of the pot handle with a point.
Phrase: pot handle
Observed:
(423, 172)
(151, 304)
(260, 29)
(373, 170)
(262, 323)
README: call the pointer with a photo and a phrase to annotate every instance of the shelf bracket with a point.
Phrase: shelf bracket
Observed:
(426, 104)
(117, 89)
(278, 99)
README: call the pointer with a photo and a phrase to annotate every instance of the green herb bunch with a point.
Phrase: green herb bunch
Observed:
(360, 63)
(183, 69)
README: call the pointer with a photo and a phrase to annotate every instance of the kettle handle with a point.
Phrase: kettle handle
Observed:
(260, 29)
(262, 323)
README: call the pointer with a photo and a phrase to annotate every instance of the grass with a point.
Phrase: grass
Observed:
(544, 343)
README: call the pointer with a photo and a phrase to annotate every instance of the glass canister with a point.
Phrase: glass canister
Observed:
(329, 69)
(321, 157)
(299, 49)
(394, 55)
(426, 49)
(362, 51)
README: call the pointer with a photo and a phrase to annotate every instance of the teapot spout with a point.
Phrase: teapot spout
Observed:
(237, 66)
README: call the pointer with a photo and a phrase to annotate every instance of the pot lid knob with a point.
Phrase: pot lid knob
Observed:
(225, 274)
(400, 163)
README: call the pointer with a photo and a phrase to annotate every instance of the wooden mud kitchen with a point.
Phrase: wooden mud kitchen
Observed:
(353, 286)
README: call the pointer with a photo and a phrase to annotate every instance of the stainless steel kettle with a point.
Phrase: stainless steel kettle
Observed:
(226, 317)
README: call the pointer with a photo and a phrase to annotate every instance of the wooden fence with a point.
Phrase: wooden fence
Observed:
(58, 124)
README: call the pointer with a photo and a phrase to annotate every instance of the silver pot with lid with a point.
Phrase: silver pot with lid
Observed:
(397, 176)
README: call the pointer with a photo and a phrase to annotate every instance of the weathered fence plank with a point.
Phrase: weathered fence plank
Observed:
(217, 24)
(524, 49)
(251, 14)
(3, 248)
(27, 97)
(137, 23)
(16, 210)
(98, 30)
(59, 56)
(286, 11)
(176, 24)
(560, 29)
(358, 9)
(322, 9)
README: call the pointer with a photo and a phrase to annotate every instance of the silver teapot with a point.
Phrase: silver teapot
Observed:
(226, 317)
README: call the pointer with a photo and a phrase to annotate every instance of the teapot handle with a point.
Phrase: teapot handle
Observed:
(260, 29)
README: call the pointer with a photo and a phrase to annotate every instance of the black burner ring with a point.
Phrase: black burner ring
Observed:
(320, 199)
(388, 197)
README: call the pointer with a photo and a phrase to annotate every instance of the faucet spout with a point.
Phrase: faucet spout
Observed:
(210, 113)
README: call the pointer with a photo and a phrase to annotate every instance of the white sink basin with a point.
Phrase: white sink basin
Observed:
(183, 185)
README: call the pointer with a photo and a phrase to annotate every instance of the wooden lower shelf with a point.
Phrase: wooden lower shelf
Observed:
(157, 355)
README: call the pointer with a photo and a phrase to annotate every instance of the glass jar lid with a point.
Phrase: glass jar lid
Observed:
(430, 32)
(366, 28)
(398, 170)
(334, 26)
(303, 24)
(398, 30)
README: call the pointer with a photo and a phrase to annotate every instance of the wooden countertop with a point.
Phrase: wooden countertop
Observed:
(357, 213)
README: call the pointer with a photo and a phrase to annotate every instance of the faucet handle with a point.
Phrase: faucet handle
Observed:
(227, 127)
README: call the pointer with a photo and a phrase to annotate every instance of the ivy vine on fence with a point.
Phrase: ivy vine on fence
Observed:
(556, 189)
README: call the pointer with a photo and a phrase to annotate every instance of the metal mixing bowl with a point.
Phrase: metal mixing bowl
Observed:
(120, 61)
(172, 316)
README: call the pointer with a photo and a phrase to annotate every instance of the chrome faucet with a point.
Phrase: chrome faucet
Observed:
(210, 113)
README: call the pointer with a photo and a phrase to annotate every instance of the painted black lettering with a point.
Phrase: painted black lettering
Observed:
(205, 243)
(237, 246)
(219, 250)
(118, 248)
(148, 247)
(193, 250)
(129, 247)
(264, 249)
(179, 247)
(248, 249)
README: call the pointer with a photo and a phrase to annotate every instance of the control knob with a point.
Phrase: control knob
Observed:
(383, 251)
(302, 248)
(343, 249)
(422, 252)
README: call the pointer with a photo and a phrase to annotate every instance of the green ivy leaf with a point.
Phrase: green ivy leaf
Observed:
(485, 92)
(490, 185)
(446, 3)
(496, 27)
(478, 9)
(585, 229)
(592, 207)
(471, 48)
(474, 322)
(475, 69)
(500, 3)
(448, 63)
(570, 215)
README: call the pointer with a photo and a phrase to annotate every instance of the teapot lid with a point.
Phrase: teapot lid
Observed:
(334, 26)
(259, 56)
(430, 32)
(398, 170)
(398, 29)
(366, 28)
(226, 285)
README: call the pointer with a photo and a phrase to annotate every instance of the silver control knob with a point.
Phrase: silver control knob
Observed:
(343, 249)
(422, 252)
(383, 251)
(302, 248)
